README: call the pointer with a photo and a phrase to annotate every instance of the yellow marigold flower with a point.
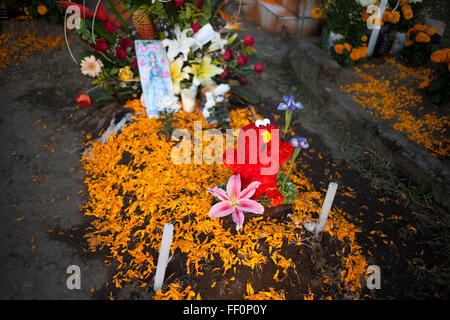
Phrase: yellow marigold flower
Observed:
(42, 10)
(339, 48)
(364, 38)
(422, 37)
(431, 31)
(407, 11)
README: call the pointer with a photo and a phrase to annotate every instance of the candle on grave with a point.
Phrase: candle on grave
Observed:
(331, 192)
(379, 11)
(188, 99)
(163, 258)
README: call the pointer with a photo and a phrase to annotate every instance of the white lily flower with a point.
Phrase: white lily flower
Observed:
(182, 44)
(217, 43)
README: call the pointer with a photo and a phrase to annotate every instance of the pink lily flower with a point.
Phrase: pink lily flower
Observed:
(235, 201)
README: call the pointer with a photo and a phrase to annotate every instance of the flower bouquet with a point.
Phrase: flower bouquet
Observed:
(256, 170)
(418, 45)
(202, 49)
(438, 87)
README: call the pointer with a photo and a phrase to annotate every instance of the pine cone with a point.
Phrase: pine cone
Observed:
(144, 25)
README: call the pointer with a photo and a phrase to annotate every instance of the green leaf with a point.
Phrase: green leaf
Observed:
(101, 96)
(246, 95)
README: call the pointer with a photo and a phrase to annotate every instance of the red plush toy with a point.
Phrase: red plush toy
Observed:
(259, 154)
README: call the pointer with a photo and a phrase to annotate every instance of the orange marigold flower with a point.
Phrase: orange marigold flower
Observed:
(364, 38)
(347, 46)
(317, 13)
(354, 55)
(422, 37)
(407, 11)
(420, 27)
(365, 16)
(395, 17)
(408, 43)
(424, 84)
(42, 10)
(441, 56)
(431, 31)
(339, 48)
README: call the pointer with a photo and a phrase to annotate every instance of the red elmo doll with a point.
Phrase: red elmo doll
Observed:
(259, 156)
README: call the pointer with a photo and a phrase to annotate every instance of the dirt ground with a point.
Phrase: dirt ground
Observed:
(42, 185)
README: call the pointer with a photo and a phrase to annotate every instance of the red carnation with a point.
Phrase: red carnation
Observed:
(249, 41)
(199, 3)
(195, 27)
(101, 45)
(242, 60)
(135, 65)
(121, 52)
(84, 100)
(178, 3)
(258, 67)
(110, 27)
(225, 74)
(125, 43)
(228, 55)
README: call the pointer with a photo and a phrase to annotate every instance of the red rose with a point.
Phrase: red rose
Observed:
(243, 80)
(199, 3)
(249, 41)
(195, 27)
(228, 55)
(84, 100)
(258, 67)
(242, 60)
(178, 3)
(225, 74)
(121, 52)
(110, 27)
(101, 45)
(135, 65)
(125, 43)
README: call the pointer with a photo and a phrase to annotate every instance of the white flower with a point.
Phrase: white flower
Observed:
(91, 66)
(210, 103)
(221, 89)
(217, 43)
(169, 103)
(182, 44)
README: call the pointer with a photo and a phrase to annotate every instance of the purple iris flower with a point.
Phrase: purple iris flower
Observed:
(290, 104)
(299, 143)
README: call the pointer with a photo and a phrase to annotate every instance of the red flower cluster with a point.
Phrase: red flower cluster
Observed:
(250, 171)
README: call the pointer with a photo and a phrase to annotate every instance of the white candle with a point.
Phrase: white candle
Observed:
(326, 206)
(188, 99)
(163, 258)
(375, 28)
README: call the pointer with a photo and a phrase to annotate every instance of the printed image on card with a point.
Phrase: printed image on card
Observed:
(154, 73)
